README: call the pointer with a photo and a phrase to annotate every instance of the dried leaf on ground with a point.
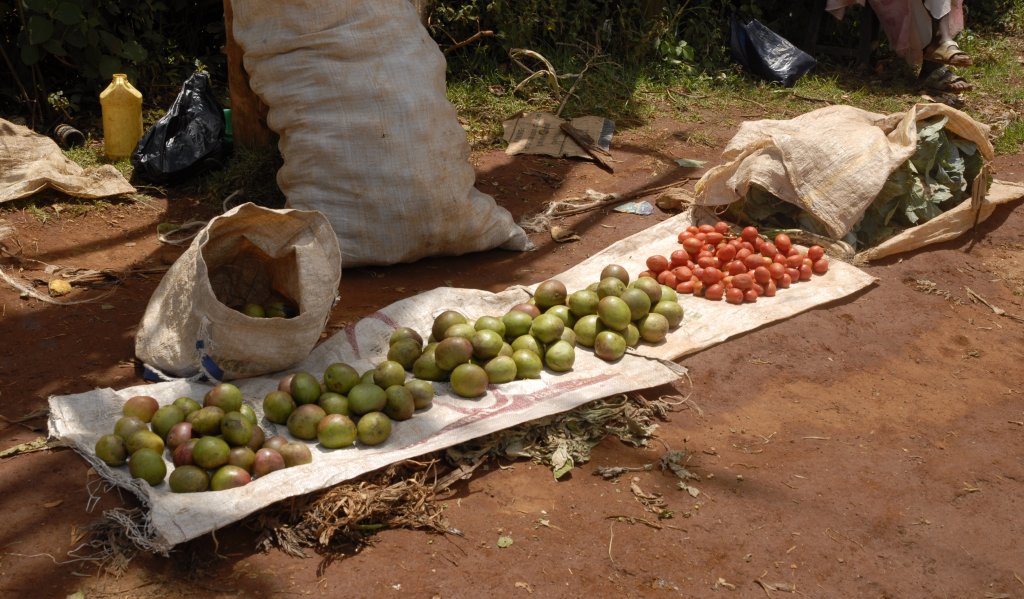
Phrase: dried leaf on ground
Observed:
(35, 445)
(628, 418)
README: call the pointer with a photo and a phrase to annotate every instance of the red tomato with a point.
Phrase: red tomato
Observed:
(806, 262)
(683, 235)
(768, 249)
(758, 288)
(753, 261)
(769, 289)
(805, 272)
(697, 272)
(750, 247)
(685, 287)
(693, 229)
(762, 275)
(780, 259)
(785, 281)
(666, 277)
(793, 252)
(692, 245)
(714, 238)
(742, 281)
(794, 274)
(794, 261)
(783, 242)
(682, 273)
(678, 258)
(820, 267)
(711, 276)
(707, 228)
(776, 270)
(706, 261)
(698, 286)
(734, 295)
(742, 254)
(646, 273)
(657, 263)
(722, 227)
(702, 236)
(750, 296)
(749, 234)
(726, 253)
(714, 292)
(735, 268)
(815, 253)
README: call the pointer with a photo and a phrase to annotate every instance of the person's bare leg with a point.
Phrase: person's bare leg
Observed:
(940, 30)
(942, 40)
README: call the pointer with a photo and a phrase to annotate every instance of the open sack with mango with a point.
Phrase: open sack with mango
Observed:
(866, 185)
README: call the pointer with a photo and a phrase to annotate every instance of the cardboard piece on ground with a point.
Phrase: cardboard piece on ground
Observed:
(30, 163)
(82, 418)
(540, 133)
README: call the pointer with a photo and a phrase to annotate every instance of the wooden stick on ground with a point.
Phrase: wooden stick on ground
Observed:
(584, 141)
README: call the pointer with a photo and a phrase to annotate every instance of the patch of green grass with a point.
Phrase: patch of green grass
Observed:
(84, 156)
(998, 79)
(250, 171)
(843, 89)
(586, 85)
(39, 213)
(124, 166)
(996, 71)
(1012, 139)
(484, 102)
(700, 138)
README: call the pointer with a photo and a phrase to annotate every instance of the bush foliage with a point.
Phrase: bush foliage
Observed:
(57, 55)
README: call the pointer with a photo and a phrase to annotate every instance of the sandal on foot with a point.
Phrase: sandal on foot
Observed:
(951, 100)
(948, 52)
(943, 80)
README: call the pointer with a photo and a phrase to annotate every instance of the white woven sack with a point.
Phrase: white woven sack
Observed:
(189, 328)
(356, 91)
(832, 162)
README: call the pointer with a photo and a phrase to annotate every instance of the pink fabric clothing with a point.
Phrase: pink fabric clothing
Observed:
(907, 23)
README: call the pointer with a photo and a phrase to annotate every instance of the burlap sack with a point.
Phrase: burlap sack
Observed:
(30, 163)
(831, 162)
(192, 325)
(356, 90)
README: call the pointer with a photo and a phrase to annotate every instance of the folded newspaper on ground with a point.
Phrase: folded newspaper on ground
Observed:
(82, 418)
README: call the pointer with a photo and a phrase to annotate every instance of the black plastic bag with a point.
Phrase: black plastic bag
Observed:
(187, 138)
(767, 54)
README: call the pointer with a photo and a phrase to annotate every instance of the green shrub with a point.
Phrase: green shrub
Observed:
(61, 53)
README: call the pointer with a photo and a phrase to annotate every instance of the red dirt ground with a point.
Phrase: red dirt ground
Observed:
(873, 447)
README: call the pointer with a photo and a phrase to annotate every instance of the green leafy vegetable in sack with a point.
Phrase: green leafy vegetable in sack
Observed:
(937, 178)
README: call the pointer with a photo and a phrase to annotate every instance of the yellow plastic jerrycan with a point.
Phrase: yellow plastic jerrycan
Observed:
(121, 106)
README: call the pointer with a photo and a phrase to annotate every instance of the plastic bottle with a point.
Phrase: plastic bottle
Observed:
(122, 117)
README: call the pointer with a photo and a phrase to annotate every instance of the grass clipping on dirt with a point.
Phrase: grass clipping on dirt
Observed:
(407, 494)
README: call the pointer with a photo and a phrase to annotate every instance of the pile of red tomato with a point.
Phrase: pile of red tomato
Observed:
(717, 264)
